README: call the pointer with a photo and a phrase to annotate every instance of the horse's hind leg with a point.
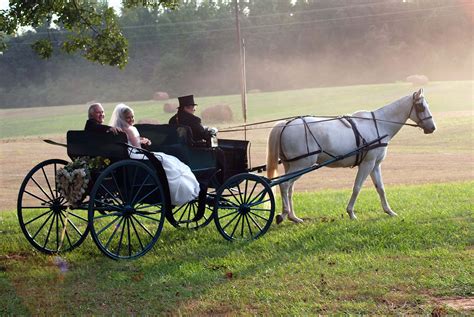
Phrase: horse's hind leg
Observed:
(291, 214)
(284, 191)
(363, 171)
(376, 176)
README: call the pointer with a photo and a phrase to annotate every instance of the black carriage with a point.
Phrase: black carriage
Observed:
(127, 202)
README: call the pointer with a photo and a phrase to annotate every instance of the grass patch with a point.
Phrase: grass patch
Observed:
(327, 265)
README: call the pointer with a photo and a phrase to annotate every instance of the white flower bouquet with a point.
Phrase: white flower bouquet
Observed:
(74, 179)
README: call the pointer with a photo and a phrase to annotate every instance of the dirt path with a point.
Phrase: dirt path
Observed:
(17, 158)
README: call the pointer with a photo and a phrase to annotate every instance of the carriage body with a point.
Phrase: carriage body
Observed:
(129, 200)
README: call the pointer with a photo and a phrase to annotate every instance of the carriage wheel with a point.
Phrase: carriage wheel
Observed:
(244, 207)
(127, 210)
(184, 216)
(43, 212)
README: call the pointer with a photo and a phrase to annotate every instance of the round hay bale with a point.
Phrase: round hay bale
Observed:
(417, 80)
(170, 107)
(161, 95)
(217, 114)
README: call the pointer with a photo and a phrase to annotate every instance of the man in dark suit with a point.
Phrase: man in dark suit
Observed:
(185, 116)
(96, 119)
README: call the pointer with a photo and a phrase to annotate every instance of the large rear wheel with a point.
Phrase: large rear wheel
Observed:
(244, 207)
(127, 209)
(45, 219)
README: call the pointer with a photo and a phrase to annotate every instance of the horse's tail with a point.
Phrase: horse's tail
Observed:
(273, 150)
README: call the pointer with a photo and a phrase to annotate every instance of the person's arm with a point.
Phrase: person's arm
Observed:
(132, 138)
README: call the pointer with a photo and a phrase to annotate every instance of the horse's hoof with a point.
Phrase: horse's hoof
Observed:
(352, 216)
(296, 220)
(279, 219)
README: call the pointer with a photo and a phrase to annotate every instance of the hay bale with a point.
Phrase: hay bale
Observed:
(417, 80)
(170, 107)
(217, 114)
(161, 95)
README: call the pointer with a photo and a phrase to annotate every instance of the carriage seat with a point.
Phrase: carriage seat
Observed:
(177, 140)
(86, 143)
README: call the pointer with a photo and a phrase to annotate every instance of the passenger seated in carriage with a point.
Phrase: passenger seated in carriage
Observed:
(182, 183)
(95, 121)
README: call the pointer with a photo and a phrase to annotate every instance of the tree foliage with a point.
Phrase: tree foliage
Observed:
(92, 27)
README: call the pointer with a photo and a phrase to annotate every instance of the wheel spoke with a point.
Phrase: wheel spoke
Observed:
(47, 181)
(121, 235)
(49, 231)
(30, 221)
(257, 215)
(235, 227)
(34, 236)
(143, 227)
(33, 195)
(41, 188)
(255, 222)
(72, 224)
(251, 192)
(113, 233)
(139, 189)
(65, 231)
(129, 241)
(260, 195)
(77, 216)
(230, 221)
(108, 226)
(136, 232)
(248, 225)
(111, 196)
(146, 196)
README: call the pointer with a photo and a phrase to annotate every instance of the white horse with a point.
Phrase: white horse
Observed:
(303, 142)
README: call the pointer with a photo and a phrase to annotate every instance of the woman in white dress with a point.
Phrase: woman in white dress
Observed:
(182, 183)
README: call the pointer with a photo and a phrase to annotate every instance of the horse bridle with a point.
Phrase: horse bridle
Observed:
(419, 107)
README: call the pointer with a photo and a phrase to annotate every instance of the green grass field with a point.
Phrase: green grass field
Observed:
(329, 264)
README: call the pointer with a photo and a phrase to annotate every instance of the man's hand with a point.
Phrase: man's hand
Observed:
(114, 130)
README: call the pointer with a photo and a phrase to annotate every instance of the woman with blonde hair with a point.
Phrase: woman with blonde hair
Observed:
(123, 118)
(181, 181)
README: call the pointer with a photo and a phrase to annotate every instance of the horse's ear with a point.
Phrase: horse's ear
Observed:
(420, 92)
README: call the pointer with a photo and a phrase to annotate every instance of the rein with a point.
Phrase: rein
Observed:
(328, 118)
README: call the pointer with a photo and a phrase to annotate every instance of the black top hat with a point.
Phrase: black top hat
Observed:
(186, 101)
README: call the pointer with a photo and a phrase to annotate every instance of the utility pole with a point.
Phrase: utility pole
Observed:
(243, 83)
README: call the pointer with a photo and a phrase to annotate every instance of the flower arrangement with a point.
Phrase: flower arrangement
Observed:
(74, 179)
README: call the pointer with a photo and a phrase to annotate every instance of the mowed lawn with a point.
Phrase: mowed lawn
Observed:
(327, 265)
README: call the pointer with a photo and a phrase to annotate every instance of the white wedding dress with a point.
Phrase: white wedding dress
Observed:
(182, 183)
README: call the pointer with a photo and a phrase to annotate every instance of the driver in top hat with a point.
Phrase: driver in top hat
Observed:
(185, 116)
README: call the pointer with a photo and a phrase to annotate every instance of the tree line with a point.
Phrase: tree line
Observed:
(288, 45)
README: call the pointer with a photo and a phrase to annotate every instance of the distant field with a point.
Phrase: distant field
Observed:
(442, 96)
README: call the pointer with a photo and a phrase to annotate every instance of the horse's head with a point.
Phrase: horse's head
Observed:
(421, 114)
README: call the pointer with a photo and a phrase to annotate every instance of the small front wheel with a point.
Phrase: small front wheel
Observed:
(244, 207)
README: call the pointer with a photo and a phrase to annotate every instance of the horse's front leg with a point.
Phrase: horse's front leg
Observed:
(376, 176)
(363, 171)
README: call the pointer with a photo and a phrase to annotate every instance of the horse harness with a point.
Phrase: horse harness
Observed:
(360, 140)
